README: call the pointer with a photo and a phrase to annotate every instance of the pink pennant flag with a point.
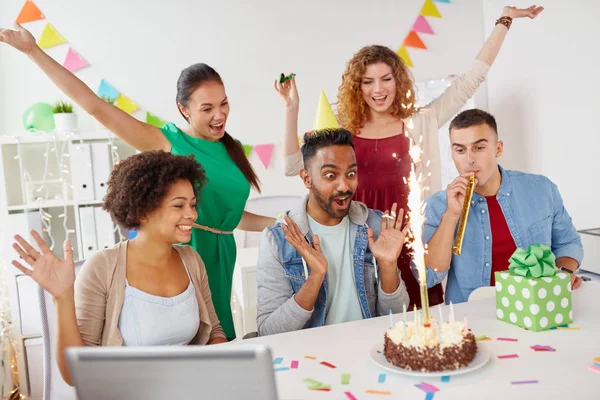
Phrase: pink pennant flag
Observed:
(73, 61)
(264, 152)
(422, 26)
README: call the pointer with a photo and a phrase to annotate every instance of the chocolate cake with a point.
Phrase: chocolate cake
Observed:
(420, 349)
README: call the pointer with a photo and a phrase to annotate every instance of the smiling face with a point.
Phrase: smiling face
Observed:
(475, 150)
(378, 87)
(172, 220)
(207, 111)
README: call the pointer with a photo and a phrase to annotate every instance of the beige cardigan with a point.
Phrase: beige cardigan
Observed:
(100, 293)
(426, 122)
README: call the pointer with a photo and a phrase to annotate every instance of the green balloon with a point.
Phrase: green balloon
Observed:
(39, 117)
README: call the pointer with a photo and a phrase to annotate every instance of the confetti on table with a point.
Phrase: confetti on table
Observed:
(597, 365)
(523, 382)
(277, 361)
(429, 395)
(350, 396)
(482, 338)
(446, 378)
(311, 382)
(568, 329)
(539, 347)
(505, 339)
(294, 364)
(325, 363)
(597, 360)
(282, 369)
(426, 387)
(381, 378)
(345, 379)
(321, 389)
(509, 356)
(594, 369)
(311, 357)
(378, 392)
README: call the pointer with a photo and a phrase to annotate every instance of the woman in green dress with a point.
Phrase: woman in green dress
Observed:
(202, 101)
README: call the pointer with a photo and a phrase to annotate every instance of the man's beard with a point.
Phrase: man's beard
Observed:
(327, 204)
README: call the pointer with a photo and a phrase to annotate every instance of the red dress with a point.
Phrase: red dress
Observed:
(383, 164)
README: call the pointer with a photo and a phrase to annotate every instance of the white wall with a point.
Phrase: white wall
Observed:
(544, 90)
(141, 46)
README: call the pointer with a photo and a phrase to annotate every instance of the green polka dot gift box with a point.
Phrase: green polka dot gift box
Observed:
(532, 294)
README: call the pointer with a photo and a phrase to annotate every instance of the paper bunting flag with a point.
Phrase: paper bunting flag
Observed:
(430, 10)
(247, 149)
(50, 37)
(405, 57)
(126, 104)
(29, 13)
(442, 1)
(422, 26)
(264, 152)
(324, 118)
(107, 91)
(154, 120)
(73, 61)
(413, 40)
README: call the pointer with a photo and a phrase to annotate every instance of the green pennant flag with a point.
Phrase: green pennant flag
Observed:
(247, 149)
(154, 120)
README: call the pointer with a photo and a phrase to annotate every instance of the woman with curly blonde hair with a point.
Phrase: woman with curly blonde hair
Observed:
(376, 103)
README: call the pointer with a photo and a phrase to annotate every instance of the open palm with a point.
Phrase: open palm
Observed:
(19, 38)
(388, 246)
(53, 274)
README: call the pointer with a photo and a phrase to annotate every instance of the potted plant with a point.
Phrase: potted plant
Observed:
(64, 118)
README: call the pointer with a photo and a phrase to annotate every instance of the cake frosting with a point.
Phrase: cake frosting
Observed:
(437, 347)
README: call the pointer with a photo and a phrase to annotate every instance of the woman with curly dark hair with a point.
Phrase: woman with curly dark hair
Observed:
(376, 103)
(143, 292)
(202, 101)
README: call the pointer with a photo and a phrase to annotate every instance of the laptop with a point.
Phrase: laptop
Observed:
(228, 372)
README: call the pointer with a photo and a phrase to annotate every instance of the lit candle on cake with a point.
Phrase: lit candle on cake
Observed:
(404, 312)
(466, 328)
(441, 315)
(451, 314)
(415, 204)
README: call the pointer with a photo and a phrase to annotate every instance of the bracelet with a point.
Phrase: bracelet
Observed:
(506, 21)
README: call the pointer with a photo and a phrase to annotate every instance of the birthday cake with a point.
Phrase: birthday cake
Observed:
(417, 347)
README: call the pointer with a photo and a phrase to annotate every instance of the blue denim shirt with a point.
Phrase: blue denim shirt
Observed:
(281, 272)
(534, 212)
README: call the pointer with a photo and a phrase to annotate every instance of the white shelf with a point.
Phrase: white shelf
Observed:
(53, 203)
(28, 137)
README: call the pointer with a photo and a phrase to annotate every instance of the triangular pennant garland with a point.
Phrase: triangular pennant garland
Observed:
(50, 38)
(29, 13)
(264, 151)
(430, 10)
(154, 120)
(442, 1)
(405, 57)
(107, 91)
(247, 149)
(413, 40)
(126, 104)
(73, 61)
(422, 26)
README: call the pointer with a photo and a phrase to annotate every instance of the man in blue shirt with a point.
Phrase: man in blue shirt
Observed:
(509, 210)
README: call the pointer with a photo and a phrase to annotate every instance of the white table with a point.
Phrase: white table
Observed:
(562, 374)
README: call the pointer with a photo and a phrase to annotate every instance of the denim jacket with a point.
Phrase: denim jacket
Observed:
(534, 213)
(281, 272)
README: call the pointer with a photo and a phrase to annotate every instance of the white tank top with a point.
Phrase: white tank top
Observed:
(149, 320)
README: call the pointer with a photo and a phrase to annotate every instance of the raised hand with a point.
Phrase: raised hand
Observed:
(514, 12)
(388, 246)
(55, 275)
(19, 38)
(313, 256)
(455, 194)
(288, 92)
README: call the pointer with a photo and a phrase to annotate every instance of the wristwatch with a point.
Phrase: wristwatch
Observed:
(567, 270)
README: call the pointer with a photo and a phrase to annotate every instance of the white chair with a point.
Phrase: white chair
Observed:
(55, 388)
(244, 276)
(484, 292)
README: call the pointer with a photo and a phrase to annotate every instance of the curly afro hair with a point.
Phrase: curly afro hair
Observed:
(352, 109)
(137, 185)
